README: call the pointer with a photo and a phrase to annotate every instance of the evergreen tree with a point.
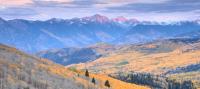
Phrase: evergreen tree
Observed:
(93, 81)
(86, 73)
(107, 84)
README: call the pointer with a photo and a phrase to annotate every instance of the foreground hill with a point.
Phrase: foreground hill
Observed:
(22, 71)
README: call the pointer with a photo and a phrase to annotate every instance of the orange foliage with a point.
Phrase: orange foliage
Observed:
(115, 84)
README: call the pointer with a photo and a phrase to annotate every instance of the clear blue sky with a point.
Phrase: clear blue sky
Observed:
(149, 10)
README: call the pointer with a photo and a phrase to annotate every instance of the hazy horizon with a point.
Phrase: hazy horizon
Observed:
(142, 10)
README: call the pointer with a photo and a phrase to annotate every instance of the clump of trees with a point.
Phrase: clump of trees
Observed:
(155, 81)
(173, 84)
(106, 84)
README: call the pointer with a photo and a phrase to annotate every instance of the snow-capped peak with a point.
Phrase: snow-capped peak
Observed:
(2, 21)
(55, 20)
(197, 21)
(97, 17)
(120, 19)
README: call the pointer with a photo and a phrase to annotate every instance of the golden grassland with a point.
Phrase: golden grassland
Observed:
(65, 72)
(115, 84)
(156, 63)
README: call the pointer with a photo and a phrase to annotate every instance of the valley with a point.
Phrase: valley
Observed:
(118, 54)
(99, 44)
(158, 60)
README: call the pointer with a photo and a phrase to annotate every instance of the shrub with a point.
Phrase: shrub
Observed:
(107, 84)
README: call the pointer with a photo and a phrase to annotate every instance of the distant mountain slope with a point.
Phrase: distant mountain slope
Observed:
(150, 32)
(193, 34)
(34, 36)
(68, 56)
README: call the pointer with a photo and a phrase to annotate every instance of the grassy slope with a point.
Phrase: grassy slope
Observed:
(17, 60)
(155, 57)
(28, 71)
(115, 84)
(155, 63)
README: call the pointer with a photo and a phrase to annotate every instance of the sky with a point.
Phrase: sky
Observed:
(143, 10)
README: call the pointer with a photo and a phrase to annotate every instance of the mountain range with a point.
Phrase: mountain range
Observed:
(125, 52)
(35, 36)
